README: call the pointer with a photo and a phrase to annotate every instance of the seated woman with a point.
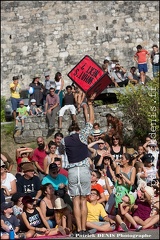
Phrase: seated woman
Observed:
(8, 182)
(100, 152)
(117, 149)
(47, 204)
(34, 220)
(52, 147)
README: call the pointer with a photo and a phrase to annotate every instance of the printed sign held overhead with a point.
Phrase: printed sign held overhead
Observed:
(89, 76)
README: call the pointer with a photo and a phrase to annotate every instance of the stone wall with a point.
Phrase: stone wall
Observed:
(37, 126)
(55, 35)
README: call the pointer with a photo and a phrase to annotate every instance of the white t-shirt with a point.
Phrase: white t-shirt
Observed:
(7, 181)
(155, 155)
(102, 183)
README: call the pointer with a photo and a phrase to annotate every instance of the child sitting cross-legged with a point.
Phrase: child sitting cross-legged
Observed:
(95, 211)
(124, 213)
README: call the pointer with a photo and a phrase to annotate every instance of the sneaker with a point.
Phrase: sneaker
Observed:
(75, 234)
(22, 129)
(16, 128)
(124, 227)
(138, 228)
(92, 231)
(59, 129)
(50, 127)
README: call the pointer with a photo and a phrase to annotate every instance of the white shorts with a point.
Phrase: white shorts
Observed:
(67, 107)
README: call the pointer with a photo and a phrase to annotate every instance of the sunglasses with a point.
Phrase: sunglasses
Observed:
(52, 91)
(94, 194)
(3, 166)
(100, 143)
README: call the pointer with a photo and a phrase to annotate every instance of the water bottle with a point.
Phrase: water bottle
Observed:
(11, 234)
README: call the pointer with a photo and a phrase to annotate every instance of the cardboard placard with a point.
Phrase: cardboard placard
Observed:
(89, 76)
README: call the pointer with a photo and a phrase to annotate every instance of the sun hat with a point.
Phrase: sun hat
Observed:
(131, 198)
(59, 204)
(149, 190)
(33, 100)
(24, 161)
(27, 199)
(2, 163)
(6, 205)
(108, 58)
(28, 167)
(96, 132)
(36, 76)
(152, 143)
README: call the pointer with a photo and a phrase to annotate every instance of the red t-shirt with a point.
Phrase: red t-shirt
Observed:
(39, 156)
(142, 56)
(63, 172)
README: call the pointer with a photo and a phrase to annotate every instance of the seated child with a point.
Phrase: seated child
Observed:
(96, 210)
(124, 213)
(22, 114)
(63, 215)
(34, 110)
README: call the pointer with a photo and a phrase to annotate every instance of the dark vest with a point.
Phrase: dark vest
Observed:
(76, 150)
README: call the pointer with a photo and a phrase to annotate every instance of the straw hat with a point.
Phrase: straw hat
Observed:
(59, 204)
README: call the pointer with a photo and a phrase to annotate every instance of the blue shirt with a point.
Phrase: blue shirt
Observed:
(55, 181)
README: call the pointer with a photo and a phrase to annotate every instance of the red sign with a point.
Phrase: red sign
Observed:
(89, 76)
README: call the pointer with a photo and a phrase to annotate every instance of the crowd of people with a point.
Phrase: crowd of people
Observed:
(82, 183)
(50, 98)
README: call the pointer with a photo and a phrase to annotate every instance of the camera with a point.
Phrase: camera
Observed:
(60, 192)
(118, 175)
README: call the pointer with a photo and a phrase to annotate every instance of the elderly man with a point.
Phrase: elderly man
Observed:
(52, 107)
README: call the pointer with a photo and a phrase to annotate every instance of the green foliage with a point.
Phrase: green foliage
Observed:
(140, 105)
(98, 102)
(3, 101)
(8, 128)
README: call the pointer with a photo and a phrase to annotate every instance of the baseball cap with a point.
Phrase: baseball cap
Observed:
(6, 205)
(33, 100)
(108, 58)
(148, 157)
(53, 167)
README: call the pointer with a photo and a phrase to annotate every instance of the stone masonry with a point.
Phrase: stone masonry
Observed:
(37, 126)
(37, 36)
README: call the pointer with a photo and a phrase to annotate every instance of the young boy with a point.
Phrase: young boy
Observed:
(8, 221)
(22, 114)
(141, 57)
(34, 110)
(95, 210)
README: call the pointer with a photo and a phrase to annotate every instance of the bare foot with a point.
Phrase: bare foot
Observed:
(62, 231)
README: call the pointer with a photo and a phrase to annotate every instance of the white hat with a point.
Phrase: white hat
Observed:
(59, 204)
(150, 190)
(33, 100)
(2, 163)
(46, 74)
(108, 58)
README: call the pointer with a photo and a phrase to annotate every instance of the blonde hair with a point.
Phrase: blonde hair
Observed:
(138, 165)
